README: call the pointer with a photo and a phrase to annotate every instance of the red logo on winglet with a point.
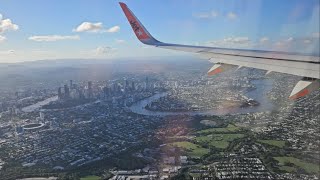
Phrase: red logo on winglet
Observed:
(136, 26)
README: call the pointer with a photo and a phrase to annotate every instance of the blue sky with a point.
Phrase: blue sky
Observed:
(37, 29)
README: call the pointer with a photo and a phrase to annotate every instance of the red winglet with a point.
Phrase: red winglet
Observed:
(141, 33)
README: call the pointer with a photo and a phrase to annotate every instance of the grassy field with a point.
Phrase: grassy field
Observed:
(276, 143)
(218, 140)
(229, 128)
(90, 178)
(308, 167)
(288, 169)
(192, 150)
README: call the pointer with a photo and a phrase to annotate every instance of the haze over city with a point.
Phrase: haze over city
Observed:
(85, 95)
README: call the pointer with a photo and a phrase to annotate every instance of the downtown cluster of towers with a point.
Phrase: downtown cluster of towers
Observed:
(73, 91)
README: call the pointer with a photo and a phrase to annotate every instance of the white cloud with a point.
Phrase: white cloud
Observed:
(114, 29)
(49, 38)
(2, 38)
(231, 42)
(146, 47)
(95, 28)
(89, 27)
(290, 39)
(213, 14)
(120, 41)
(206, 15)
(264, 40)
(279, 43)
(7, 25)
(307, 41)
(103, 50)
(313, 38)
(232, 16)
(7, 52)
(237, 40)
(307, 44)
(316, 35)
(285, 44)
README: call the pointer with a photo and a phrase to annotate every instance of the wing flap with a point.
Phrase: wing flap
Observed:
(299, 68)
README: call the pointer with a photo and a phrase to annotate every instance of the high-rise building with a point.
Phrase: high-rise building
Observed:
(74, 94)
(118, 88)
(146, 85)
(89, 84)
(42, 116)
(59, 93)
(127, 84)
(114, 89)
(71, 84)
(81, 93)
(133, 86)
(106, 91)
(66, 91)
(90, 91)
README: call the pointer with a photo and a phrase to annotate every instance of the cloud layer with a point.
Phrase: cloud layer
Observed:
(308, 44)
(231, 42)
(49, 38)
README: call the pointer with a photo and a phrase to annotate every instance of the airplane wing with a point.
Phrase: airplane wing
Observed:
(226, 59)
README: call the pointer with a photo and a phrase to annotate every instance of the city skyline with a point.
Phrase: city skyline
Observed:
(174, 121)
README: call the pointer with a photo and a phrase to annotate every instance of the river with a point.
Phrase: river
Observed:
(259, 94)
(39, 104)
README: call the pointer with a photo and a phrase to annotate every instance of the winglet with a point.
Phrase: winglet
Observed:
(220, 67)
(141, 32)
(304, 87)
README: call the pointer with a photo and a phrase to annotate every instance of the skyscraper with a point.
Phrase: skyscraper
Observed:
(59, 93)
(89, 84)
(133, 86)
(42, 116)
(127, 84)
(147, 83)
(106, 91)
(71, 84)
(90, 93)
(66, 91)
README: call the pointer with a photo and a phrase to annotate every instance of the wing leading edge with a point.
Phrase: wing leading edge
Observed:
(296, 64)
